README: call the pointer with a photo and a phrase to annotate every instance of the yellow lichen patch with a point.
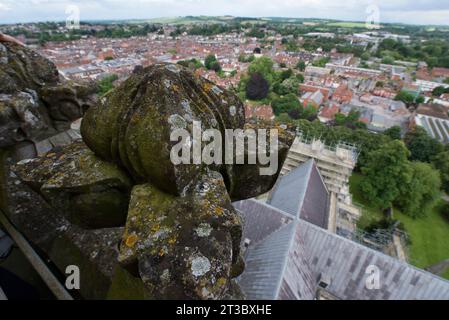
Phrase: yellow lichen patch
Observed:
(161, 252)
(207, 86)
(172, 240)
(50, 155)
(221, 282)
(219, 211)
(155, 228)
(131, 240)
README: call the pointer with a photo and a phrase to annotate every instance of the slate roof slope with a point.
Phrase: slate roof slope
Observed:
(265, 264)
(302, 192)
(287, 262)
(257, 224)
(274, 260)
(345, 263)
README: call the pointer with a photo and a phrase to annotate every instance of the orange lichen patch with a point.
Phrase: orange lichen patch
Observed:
(161, 252)
(131, 240)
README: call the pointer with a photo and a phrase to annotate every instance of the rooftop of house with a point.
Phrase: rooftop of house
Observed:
(433, 110)
(329, 112)
(262, 112)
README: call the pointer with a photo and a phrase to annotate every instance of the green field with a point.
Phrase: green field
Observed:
(344, 24)
(429, 236)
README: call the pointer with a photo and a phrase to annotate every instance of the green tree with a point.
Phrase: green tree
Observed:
(285, 74)
(309, 112)
(264, 66)
(394, 132)
(290, 85)
(406, 97)
(350, 121)
(420, 100)
(321, 62)
(441, 162)
(388, 60)
(286, 103)
(386, 171)
(209, 61)
(301, 65)
(192, 64)
(380, 84)
(257, 87)
(284, 118)
(365, 56)
(423, 191)
(438, 91)
(422, 146)
(106, 84)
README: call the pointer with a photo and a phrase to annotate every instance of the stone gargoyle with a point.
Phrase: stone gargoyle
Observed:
(182, 235)
(35, 102)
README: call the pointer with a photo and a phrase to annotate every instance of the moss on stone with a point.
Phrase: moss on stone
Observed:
(126, 287)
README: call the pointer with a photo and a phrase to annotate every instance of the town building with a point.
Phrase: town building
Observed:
(314, 99)
(328, 113)
(435, 120)
(342, 94)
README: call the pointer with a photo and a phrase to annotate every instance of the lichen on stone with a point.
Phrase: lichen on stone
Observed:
(200, 265)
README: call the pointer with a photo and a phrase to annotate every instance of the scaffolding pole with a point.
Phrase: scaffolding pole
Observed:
(41, 268)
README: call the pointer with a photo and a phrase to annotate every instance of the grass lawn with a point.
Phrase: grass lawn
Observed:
(446, 274)
(429, 236)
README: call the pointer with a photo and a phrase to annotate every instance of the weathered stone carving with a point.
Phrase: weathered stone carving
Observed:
(182, 235)
(34, 102)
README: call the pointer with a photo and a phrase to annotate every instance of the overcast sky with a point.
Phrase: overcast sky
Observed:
(406, 11)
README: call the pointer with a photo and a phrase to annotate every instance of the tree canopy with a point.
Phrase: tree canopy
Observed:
(257, 87)
(441, 162)
(387, 172)
(422, 146)
(263, 66)
(211, 63)
(106, 84)
(285, 104)
(394, 132)
(422, 192)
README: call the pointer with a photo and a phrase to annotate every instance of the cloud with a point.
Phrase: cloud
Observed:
(4, 7)
(407, 11)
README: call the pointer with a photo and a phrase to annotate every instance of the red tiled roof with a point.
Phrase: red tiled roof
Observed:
(262, 112)
(329, 112)
(342, 94)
